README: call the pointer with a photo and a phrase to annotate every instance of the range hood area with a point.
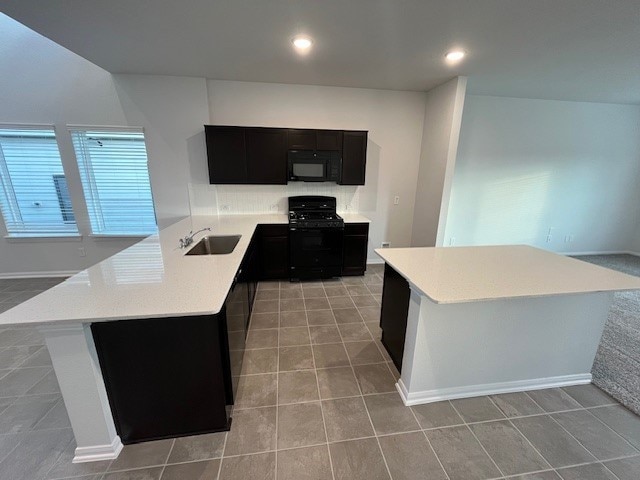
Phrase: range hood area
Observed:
(239, 155)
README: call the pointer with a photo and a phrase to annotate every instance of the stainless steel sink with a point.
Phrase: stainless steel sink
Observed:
(215, 245)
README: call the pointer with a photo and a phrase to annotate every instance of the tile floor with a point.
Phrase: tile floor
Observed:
(317, 401)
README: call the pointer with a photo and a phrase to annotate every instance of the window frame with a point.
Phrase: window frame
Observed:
(9, 193)
(92, 189)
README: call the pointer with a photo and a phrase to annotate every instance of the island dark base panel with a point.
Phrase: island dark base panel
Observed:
(164, 377)
(393, 316)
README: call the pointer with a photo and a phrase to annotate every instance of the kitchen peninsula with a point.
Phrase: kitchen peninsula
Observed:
(166, 315)
(468, 321)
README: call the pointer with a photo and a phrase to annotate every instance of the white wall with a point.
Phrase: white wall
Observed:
(49, 84)
(525, 166)
(394, 121)
(43, 82)
(443, 115)
(634, 245)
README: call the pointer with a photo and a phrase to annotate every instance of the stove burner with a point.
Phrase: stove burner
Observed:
(314, 212)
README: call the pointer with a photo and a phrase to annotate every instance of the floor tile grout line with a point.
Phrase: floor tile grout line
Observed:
(33, 429)
(424, 434)
(315, 371)
(224, 447)
(606, 467)
(519, 475)
(613, 430)
(373, 428)
(477, 439)
(166, 460)
(567, 431)
(597, 460)
(521, 433)
(275, 473)
(30, 356)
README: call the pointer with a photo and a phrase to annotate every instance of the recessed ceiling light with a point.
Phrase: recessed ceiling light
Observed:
(455, 55)
(302, 43)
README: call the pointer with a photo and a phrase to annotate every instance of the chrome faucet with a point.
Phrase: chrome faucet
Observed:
(188, 239)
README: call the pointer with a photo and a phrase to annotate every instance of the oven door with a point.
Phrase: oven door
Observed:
(316, 248)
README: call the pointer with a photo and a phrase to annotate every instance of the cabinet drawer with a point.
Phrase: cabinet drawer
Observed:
(274, 230)
(356, 228)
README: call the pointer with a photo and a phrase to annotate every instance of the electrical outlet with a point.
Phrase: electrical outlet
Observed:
(385, 244)
(396, 200)
(225, 208)
(452, 241)
(274, 207)
(549, 238)
(82, 252)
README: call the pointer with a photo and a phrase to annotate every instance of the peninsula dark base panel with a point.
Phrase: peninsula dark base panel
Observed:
(164, 377)
(393, 316)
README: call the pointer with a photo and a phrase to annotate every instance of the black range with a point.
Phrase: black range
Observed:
(316, 237)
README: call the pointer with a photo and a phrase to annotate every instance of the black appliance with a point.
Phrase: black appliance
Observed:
(316, 234)
(314, 166)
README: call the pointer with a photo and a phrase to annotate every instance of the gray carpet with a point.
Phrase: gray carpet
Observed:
(617, 365)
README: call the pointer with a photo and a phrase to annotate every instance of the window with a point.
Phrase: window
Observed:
(34, 198)
(115, 179)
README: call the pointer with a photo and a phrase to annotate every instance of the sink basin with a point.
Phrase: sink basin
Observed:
(215, 245)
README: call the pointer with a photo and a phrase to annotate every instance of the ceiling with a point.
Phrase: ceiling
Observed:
(585, 50)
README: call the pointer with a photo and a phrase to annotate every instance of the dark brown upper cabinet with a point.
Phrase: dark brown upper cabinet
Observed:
(258, 155)
(354, 157)
(302, 139)
(266, 155)
(308, 139)
(226, 154)
(329, 140)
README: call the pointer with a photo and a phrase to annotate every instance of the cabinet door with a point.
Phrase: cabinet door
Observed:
(301, 139)
(165, 377)
(354, 157)
(329, 140)
(274, 257)
(226, 154)
(355, 254)
(266, 155)
(393, 316)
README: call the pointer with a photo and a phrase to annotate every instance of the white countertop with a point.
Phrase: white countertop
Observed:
(468, 274)
(150, 279)
(354, 218)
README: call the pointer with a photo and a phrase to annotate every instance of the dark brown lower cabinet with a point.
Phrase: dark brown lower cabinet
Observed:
(164, 376)
(170, 377)
(356, 240)
(393, 316)
(273, 247)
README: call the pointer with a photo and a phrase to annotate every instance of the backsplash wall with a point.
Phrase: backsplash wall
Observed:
(247, 199)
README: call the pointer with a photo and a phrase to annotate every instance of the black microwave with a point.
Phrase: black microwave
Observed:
(314, 166)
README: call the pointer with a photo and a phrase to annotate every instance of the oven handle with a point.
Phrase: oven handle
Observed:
(314, 229)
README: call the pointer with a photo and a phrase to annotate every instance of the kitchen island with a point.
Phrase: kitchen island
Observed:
(468, 321)
(167, 313)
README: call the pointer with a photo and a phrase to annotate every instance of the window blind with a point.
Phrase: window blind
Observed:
(115, 180)
(33, 190)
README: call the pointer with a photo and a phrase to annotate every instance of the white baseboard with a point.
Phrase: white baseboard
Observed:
(607, 252)
(55, 273)
(613, 252)
(429, 396)
(98, 452)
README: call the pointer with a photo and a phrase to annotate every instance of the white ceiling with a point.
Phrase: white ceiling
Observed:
(586, 50)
